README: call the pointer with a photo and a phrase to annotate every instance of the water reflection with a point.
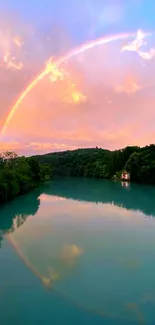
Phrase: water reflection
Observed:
(125, 184)
(138, 198)
(14, 214)
(90, 241)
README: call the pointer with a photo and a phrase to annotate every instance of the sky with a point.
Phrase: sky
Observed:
(103, 96)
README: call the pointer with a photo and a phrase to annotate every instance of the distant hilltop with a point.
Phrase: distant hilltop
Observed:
(135, 163)
(18, 175)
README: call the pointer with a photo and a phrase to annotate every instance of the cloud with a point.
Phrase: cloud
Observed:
(34, 147)
(18, 41)
(137, 43)
(129, 86)
(9, 146)
(70, 253)
(147, 55)
(10, 45)
(23, 52)
(92, 100)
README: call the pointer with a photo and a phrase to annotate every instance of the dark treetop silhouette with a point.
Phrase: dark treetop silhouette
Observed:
(18, 175)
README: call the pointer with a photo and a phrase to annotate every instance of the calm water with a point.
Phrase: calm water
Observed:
(78, 252)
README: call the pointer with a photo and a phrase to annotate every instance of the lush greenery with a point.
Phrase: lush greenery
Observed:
(100, 163)
(18, 175)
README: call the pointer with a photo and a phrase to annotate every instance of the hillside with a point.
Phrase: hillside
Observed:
(100, 163)
(19, 175)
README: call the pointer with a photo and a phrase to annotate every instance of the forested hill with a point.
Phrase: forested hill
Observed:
(100, 163)
(18, 175)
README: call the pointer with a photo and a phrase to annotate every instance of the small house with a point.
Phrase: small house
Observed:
(125, 176)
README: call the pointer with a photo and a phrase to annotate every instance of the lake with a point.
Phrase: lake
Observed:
(78, 251)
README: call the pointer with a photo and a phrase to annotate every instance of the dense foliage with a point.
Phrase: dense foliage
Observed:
(18, 175)
(100, 163)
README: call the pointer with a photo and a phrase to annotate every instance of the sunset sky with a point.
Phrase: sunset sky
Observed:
(103, 96)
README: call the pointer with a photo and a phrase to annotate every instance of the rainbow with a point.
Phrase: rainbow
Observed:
(59, 293)
(24, 259)
(61, 60)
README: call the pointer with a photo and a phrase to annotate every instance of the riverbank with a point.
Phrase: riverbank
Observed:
(100, 163)
(18, 175)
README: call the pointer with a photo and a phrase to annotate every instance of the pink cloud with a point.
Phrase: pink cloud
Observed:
(119, 92)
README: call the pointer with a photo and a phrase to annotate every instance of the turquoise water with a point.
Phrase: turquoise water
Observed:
(79, 251)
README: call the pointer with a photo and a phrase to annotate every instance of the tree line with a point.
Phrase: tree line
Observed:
(19, 175)
(100, 163)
